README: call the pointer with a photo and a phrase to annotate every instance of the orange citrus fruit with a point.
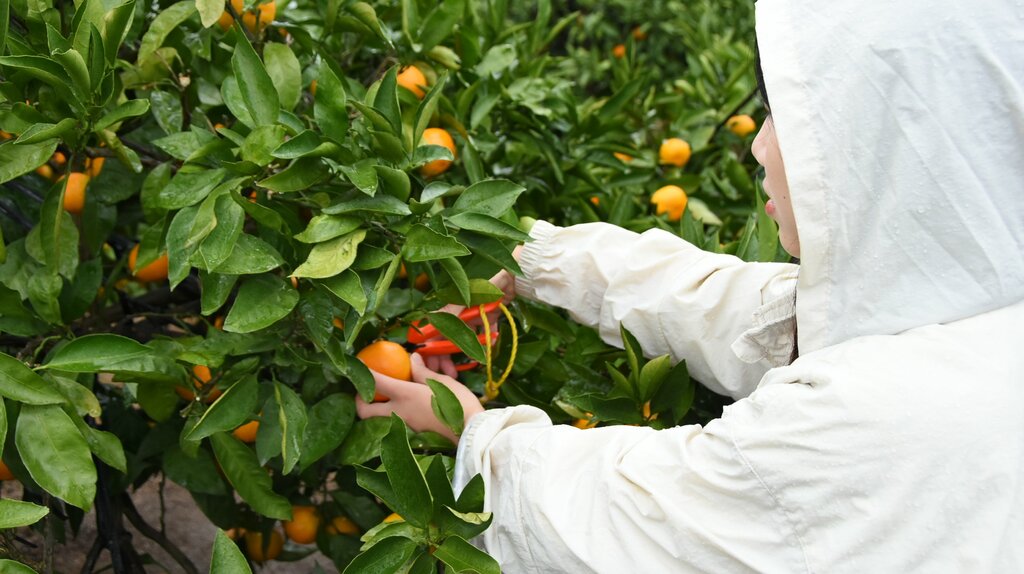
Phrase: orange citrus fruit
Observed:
(639, 33)
(342, 525)
(670, 199)
(674, 151)
(421, 282)
(585, 423)
(619, 51)
(218, 322)
(302, 528)
(624, 158)
(254, 20)
(388, 358)
(393, 517)
(596, 201)
(338, 323)
(155, 271)
(255, 549)
(247, 432)
(94, 165)
(741, 125)
(59, 158)
(437, 136)
(45, 171)
(412, 79)
(5, 473)
(234, 533)
(74, 193)
(312, 87)
(295, 282)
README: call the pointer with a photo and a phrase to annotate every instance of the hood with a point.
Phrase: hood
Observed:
(901, 126)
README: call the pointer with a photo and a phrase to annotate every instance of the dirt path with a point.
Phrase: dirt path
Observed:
(186, 528)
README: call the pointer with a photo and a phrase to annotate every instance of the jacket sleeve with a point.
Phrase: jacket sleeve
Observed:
(722, 315)
(621, 499)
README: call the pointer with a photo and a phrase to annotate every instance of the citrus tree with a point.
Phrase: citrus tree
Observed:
(213, 213)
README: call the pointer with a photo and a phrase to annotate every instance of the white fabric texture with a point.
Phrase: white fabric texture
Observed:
(895, 442)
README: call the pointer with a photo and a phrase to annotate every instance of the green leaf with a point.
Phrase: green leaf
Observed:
(284, 72)
(492, 250)
(652, 375)
(12, 567)
(117, 23)
(394, 181)
(425, 244)
(382, 203)
(324, 227)
(209, 11)
(19, 383)
(329, 108)
(254, 83)
(348, 287)
(17, 160)
(292, 420)
(227, 558)
(42, 132)
(166, 21)
(439, 23)
(362, 175)
(446, 406)
(490, 197)
(216, 288)
(458, 332)
(78, 71)
(197, 473)
(15, 513)
(230, 410)
(481, 292)
(461, 556)
(260, 143)
(488, 225)
(188, 188)
(98, 352)
(56, 455)
(676, 393)
(412, 496)
(129, 109)
(229, 218)
(302, 174)
(5, 9)
(251, 480)
(385, 557)
(363, 441)
(105, 445)
(328, 423)
(634, 353)
(425, 112)
(331, 257)
(386, 101)
(262, 301)
(78, 396)
(460, 280)
(249, 256)
(368, 16)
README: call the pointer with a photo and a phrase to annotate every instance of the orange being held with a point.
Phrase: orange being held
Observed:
(674, 151)
(254, 545)
(437, 136)
(670, 199)
(302, 528)
(387, 358)
(412, 79)
(155, 271)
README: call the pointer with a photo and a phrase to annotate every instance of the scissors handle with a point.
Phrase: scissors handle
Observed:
(418, 335)
(446, 347)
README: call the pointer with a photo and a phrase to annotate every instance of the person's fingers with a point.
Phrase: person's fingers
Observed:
(366, 410)
(451, 308)
(447, 366)
(389, 386)
(420, 371)
(432, 362)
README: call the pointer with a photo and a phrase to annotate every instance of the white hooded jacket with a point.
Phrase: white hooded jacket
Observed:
(895, 442)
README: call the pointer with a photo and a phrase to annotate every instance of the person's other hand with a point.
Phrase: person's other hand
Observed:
(502, 280)
(411, 399)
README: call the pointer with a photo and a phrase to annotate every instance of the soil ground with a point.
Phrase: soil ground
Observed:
(186, 528)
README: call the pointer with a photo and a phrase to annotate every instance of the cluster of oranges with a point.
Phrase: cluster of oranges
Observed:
(301, 529)
(255, 20)
(77, 181)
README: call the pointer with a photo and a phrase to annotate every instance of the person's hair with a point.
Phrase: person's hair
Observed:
(760, 78)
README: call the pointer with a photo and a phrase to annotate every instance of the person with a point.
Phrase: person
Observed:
(879, 416)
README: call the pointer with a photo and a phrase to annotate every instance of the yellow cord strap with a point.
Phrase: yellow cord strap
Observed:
(491, 390)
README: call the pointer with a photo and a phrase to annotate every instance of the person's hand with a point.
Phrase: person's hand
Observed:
(411, 399)
(502, 280)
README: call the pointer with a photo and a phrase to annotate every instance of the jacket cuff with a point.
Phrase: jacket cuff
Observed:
(478, 435)
(533, 253)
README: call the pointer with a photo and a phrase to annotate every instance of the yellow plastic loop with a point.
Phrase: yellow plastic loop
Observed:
(493, 386)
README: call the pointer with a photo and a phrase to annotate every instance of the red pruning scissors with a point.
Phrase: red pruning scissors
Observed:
(428, 341)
